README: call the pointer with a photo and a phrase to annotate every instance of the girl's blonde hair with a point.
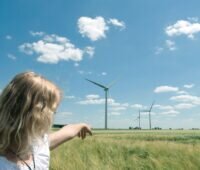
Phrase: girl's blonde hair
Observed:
(27, 105)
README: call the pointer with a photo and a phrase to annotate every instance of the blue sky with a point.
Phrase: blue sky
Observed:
(151, 49)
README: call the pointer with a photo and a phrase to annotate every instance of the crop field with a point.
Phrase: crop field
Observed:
(130, 150)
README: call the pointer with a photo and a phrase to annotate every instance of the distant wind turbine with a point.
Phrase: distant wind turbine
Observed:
(149, 113)
(106, 89)
(138, 118)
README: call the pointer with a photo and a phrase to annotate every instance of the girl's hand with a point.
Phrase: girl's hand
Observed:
(79, 130)
(68, 132)
(84, 130)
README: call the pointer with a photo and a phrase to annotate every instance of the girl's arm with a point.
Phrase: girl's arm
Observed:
(68, 132)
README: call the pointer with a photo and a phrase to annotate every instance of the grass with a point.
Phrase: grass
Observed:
(127, 150)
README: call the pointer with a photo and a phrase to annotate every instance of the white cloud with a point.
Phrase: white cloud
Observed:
(184, 106)
(37, 33)
(96, 28)
(92, 96)
(92, 28)
(147, 113)
(89, 50)
(69, 97)
(182, 92)
(63, 117)
(153, 113)
(163, 89)
(186, 98)
(93, 99)
(103, 73)
(163, 107)
(115, 113)
(194, 19)
(82, 72)
(137, 106)
(8, 37)
(189, 86)
(159, 50)
(144, 113)
(76, 64)
(170, 45)
(183, 27)
(173, 109)
(52, 49)
(170, 112)
(118, 108)
(117, 23)
(65, 113)
(11, 56)
(125, 104)
(115, 104)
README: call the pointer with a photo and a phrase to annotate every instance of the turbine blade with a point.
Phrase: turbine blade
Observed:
(100, 85)
(112, 83)
(151, 106)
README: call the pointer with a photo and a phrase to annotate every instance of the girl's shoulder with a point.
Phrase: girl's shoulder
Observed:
(42, 154)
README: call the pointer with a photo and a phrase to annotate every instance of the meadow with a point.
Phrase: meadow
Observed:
(130, 150)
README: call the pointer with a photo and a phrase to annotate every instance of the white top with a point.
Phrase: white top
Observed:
(41, 155)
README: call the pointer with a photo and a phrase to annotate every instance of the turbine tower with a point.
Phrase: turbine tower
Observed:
(149, 113)
(106, 89)
(139, 119)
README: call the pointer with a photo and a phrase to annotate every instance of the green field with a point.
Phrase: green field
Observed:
(130, 150)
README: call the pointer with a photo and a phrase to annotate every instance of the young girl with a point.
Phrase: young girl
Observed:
(27, 105)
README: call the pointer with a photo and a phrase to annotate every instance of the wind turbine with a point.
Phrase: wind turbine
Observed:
(138, 118)
(106, 89)
(149, 113)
